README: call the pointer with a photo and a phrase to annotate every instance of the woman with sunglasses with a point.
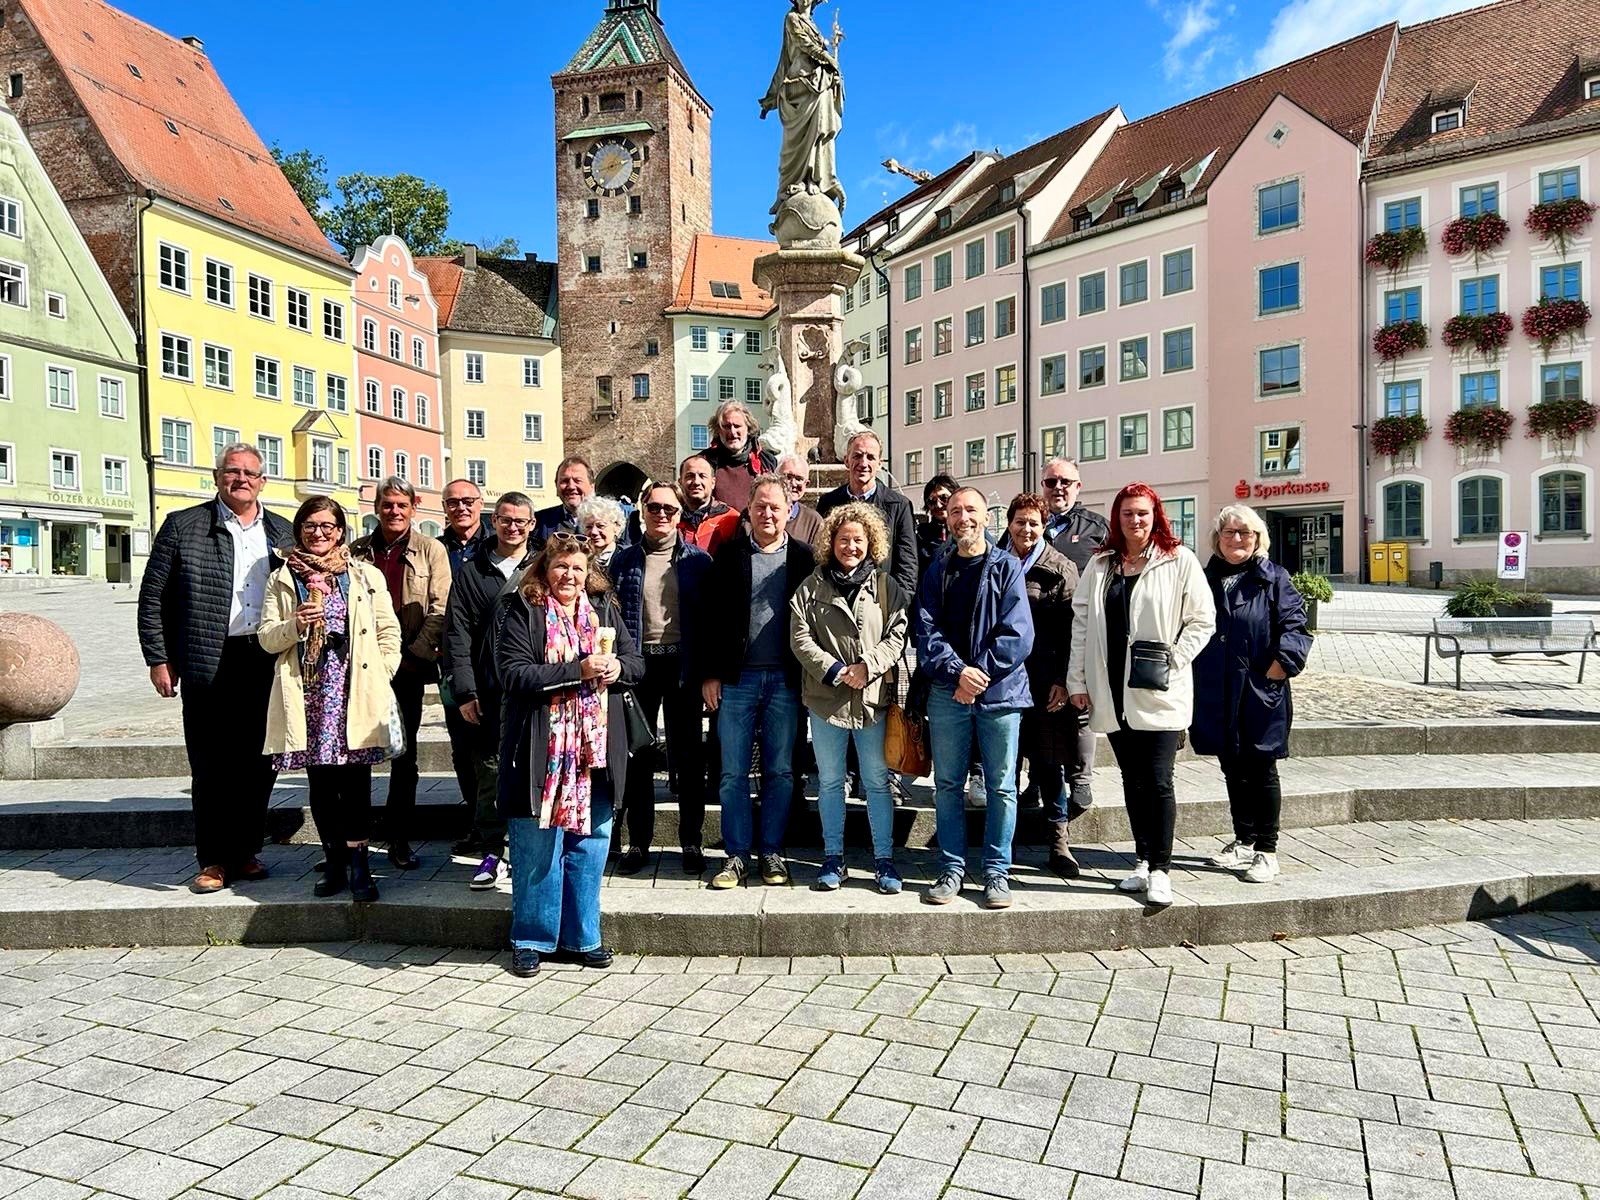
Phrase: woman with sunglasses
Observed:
(331, 623)
(561, 648)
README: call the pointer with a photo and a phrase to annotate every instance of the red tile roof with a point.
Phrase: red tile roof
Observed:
(444, 281)
(1338, 86)
(723, 260)
(1519, 58)
(1032, 168)
(215, 155)
(516, 297)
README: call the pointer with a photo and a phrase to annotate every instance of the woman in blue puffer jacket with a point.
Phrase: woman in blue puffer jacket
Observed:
(1243, 710)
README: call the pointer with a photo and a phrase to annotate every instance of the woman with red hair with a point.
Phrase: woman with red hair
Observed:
(1141, 614)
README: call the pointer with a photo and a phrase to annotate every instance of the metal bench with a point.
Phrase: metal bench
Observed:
(1457, 637)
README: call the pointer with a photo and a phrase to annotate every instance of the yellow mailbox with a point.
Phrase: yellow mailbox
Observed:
(1399, 563)
(1378, 552)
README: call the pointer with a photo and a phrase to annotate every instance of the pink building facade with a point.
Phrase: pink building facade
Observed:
(399, 412)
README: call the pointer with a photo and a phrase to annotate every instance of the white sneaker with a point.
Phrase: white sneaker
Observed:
(1160, 893)
(1263, 868)
(1235, 856)
(977, 793)
(1139, 880)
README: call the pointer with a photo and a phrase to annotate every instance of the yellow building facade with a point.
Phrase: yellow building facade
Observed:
(502, 409)
(246, 340)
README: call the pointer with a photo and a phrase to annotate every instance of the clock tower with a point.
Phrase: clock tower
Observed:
(633, 187)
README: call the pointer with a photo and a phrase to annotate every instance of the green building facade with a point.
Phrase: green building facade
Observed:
(74, 483)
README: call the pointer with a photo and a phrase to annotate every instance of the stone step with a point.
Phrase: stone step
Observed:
(1341, 880)
(128, 758)
(1316, 792)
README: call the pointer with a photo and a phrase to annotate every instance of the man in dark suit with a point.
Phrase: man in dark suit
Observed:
(574, 484)
(750, 676)
(863, 456)
(199, 608)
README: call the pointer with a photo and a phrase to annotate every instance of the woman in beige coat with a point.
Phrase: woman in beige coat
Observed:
(1140, 616)
(847, 624)
(331, 623)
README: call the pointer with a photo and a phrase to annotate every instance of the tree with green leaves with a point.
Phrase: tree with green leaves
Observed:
(307, 174)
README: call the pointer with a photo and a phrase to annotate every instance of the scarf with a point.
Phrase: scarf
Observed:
(318, 572)
(849, 582)
(577, 722)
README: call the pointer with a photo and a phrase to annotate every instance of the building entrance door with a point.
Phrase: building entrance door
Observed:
(1307, 540)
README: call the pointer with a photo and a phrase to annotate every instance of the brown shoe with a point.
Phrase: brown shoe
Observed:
(1062, 861)
(210, 879)
(252, 871)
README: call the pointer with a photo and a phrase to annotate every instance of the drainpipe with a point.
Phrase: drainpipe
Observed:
(1361, 391)
(141, 349)
(1029, 457)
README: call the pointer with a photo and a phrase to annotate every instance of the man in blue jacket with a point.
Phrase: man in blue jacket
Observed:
(974, 632)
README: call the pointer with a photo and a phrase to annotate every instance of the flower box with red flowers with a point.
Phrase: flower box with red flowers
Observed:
(1392, 435)
(1394, 248)
(1486, 333)
(1485, 426)
(1476, 235)
(1550, 320)
(1559, 220)
(1562, 419)
(1390, 341)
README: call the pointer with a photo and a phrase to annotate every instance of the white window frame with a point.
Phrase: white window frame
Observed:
(333, 314)
(107, 460)
(374, 451)
(290, 295)
(266, 458)
(420, 409)
(478, 472)
(250, 305)
(52, 370)
(8, 464)
(328, 380)
(295, 376)
(276, 373)
(369, 335)
(224, 273)
(178, 257)
(532, 427)
(533, 474)
(6, 377)
(77, 470)
(469, 360)
(482, 421)
(161, 350)
(1458, 111)
(21, 280)
(398, 404)
(177, 423)
(419, 354)
(55, 306)
(532, 371)
(121, 391)
(11, 221)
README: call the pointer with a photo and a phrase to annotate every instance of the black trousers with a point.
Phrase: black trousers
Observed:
(341, 805)
(1146, 759)
(462, 753)
(408, 687)
(1254, 798)
(230, 779)
(680, 707)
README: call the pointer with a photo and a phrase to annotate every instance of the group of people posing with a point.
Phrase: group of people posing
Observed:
(561, 639)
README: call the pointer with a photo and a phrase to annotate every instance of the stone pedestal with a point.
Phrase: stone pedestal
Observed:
(19, 744)
(808, 286)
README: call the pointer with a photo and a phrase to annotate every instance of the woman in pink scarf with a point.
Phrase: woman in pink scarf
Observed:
(563, 749)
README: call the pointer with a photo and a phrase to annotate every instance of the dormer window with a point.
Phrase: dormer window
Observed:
(1126, 208)
(134, 71)
(894, 223)
(945, 219)
(1591, 88)
(1174, 192)
(1008, 192)
(1081, 221)
(1449, 118)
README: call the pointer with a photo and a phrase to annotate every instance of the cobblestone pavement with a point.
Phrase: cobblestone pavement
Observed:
(1365, 665)
(1443, 1062)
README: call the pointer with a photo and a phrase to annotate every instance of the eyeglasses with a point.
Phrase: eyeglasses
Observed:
(238, 473)
(463, 501)
(657, 509)
(318, 528)
(1239, 535)
(800, 479)
(513, 522)
(1056, 481)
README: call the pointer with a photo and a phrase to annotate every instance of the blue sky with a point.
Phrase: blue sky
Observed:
(465, 101)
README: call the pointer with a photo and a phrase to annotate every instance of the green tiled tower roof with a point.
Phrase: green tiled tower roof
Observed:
(629, 35)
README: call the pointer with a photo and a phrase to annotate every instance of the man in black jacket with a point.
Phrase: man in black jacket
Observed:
(199, 607)
(863, 456)
(475, 590)
(750, 676)
(574, 484)
(1069, 527)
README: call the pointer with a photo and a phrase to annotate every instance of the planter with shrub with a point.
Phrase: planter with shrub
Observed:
(1487, 334)
(1314, 590)
(1559, 220)
(1395, 435)
(1397, 338)
(1482, 428)
(1550, 320)
(1394, 249)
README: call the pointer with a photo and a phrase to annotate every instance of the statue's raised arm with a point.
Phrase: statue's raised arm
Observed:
(808, 93)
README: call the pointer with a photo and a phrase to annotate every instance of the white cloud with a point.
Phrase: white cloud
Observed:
(1186, 52)
(1304, 26)
(958, 138)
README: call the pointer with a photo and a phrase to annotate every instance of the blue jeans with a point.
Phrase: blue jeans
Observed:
(952, 728)
(555, 878)
(760, 700)
(831, 744)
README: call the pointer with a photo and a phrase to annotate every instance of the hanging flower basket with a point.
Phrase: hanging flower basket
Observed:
(1562, 420)
(1483, 427)
(1476, 235)
(1559, 220)
(1548, 321)
(1398, 337)
(1487, 334)
(1394, 435)
(1395, 249)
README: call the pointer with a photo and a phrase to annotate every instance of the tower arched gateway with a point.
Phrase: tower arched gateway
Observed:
(622, 481)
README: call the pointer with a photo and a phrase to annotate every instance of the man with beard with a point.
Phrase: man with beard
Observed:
(735, 456)
(705, 522)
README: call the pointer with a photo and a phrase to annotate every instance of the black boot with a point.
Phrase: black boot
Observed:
(332, 867)
(363, 889)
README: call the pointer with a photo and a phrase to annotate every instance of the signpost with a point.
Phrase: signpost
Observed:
(1512, 559)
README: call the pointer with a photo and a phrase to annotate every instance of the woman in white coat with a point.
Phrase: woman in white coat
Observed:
(329, 620)
(1140, 615)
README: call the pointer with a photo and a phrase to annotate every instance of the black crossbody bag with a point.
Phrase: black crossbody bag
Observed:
(1149, 663)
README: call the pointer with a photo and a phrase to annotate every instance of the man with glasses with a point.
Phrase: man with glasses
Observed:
(465, 522)
(804, 523)
(199, 607)
(661, 588)
(417, 571)
(705, 520)
(492, 571)
(863, 456)
(1076, 532)
(932, 532)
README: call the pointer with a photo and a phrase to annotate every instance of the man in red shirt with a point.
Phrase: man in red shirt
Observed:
(705, 521)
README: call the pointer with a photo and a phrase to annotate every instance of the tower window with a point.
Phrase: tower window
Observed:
(639, 259)
(635, 205)
(638, 98)
(594, 209)
(586, 106)
(15, 89)
(613, 102)
(591, 263)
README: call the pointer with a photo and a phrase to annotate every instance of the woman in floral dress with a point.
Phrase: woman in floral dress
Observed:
(331, 623)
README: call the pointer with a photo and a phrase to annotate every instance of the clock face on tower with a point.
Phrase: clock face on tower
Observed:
(612, 167)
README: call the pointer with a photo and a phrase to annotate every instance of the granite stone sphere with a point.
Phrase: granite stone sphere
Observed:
(38, 668)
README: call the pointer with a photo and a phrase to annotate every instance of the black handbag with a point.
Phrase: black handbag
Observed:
(640, 736)
(1149, 666)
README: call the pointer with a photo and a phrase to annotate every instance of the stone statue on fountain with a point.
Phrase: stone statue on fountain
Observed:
(807, 91)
